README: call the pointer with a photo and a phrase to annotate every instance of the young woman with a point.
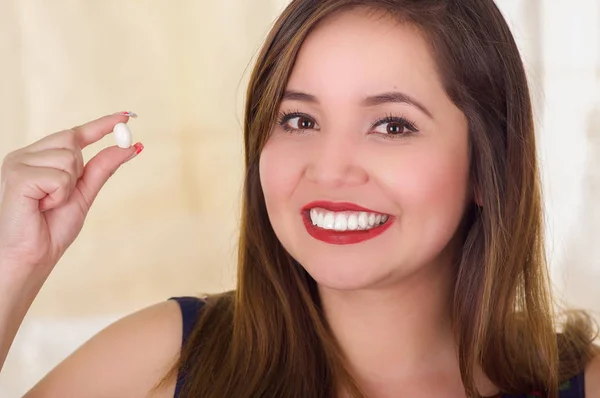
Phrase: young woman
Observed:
(391, 241)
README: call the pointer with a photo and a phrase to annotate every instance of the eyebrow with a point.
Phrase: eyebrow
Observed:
(379, 99)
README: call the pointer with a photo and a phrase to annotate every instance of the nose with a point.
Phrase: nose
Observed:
(336, 161)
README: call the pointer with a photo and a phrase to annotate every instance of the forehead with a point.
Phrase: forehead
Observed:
(358, 52)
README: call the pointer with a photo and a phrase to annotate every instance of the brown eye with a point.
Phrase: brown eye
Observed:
(297, 122)
(394, 127)
(301, 123)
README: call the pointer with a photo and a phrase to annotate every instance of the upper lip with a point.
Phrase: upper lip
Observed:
(337, 206)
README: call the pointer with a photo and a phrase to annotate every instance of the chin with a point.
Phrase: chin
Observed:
(346, 275)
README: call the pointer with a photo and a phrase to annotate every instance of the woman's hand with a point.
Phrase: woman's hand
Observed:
(46, 193)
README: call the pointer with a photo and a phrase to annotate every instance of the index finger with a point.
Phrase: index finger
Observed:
(95, 130)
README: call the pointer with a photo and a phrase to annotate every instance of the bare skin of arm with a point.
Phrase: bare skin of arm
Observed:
(126, 359)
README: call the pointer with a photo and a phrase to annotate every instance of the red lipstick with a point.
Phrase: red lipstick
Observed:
(341, 237)
(337, 206)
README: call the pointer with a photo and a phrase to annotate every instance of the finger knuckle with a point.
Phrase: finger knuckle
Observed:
(5, 166)
(9, 157)
(64, 179)
(11, 174)
(71, 159)
(10, 160)
(70, 138)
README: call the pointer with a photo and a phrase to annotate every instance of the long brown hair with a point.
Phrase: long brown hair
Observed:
(268, 338)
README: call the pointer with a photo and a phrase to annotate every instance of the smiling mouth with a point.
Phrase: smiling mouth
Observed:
(343, 221)
(344, 227)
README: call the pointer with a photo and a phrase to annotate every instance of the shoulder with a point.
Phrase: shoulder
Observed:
(127, 358)
(592, 377)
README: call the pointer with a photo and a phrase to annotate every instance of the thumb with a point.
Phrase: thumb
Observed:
(100, 168)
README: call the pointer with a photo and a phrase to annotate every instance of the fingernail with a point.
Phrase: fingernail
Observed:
(138, 148)
(128, 114)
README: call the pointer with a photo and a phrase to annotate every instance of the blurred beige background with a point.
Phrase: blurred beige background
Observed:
(166, 223)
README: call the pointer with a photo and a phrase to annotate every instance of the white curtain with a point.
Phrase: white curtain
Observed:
(166, 223)
(561, 46)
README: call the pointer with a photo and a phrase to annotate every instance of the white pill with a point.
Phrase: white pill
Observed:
(122, 135)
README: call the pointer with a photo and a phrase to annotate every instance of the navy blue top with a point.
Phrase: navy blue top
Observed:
(190, 310)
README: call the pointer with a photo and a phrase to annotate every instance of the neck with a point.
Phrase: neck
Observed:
(402, 335)
(398, 331)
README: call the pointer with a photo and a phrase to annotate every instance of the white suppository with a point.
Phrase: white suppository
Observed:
(122, 135)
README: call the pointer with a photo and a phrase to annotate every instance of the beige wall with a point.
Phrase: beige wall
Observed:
(166, 223)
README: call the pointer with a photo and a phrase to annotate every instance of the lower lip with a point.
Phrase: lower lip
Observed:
(343, 237)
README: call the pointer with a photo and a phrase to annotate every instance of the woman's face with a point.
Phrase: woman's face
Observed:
(370, 149)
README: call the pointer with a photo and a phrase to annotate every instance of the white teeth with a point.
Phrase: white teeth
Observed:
(329, 221)
(346, 220)
(341, 222)
(363, 220)
(353, 222)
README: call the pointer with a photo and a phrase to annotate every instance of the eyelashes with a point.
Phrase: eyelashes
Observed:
(401, 127)
(407, 127)
(285, 117)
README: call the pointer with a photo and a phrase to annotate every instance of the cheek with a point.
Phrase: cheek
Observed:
(438, 180)
(430, 187)
(280, 170)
